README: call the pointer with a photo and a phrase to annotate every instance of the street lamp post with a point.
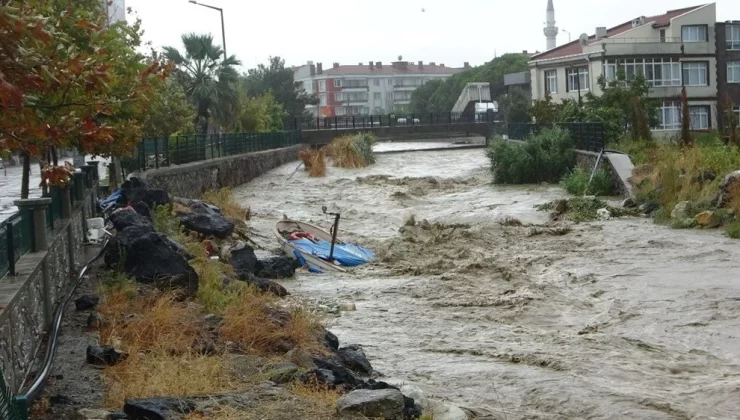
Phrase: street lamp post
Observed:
(223, 31)
(563, 30)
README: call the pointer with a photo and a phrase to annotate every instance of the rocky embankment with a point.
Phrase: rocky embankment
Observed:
(159, 263)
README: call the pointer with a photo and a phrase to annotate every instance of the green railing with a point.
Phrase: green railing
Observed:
(156, 152)
(8, 407)
(587, 135)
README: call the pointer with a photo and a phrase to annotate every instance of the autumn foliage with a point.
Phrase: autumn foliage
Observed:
(70, 80)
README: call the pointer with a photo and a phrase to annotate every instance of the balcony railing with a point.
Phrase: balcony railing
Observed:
(666, 40)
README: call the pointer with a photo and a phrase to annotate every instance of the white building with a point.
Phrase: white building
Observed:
(364, 89)
(673, 50)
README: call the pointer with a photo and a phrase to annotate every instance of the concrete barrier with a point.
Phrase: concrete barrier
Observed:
(191, 180)
(29, 298)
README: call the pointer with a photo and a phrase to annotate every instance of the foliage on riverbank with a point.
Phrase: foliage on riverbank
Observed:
(582, 209)
(314, 161)
(186, 347)
(576, 182)
(545, 157)
(676, 183)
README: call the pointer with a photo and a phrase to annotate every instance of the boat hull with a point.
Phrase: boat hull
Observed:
(290, 249)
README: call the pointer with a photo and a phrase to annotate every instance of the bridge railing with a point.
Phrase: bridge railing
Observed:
(587, 135)
(353, 122)
(162, 151)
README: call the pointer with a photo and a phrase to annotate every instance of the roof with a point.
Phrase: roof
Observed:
(390, 70)
(575, 47)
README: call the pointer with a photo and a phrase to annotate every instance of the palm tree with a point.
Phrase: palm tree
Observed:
(209, 82)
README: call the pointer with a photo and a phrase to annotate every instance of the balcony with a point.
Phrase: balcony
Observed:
(364, 88)
(649, 46)
(405, 87)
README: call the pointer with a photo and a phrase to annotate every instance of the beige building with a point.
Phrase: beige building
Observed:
(671, 50)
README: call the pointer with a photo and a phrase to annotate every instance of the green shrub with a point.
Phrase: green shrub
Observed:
(576, 182)
(545, 157)
(733, 230)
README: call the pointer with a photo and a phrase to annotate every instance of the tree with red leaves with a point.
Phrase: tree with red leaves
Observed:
(70, 80)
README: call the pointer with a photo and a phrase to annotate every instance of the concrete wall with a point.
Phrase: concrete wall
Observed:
(405, 132)
(28, 299)
(193, 179)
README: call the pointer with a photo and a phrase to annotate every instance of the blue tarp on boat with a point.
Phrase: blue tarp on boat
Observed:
(348, 255)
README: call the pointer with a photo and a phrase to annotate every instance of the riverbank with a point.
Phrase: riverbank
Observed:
(607, 321)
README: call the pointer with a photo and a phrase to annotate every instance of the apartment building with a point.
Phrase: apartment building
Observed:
(674, 50)
(728, 69)
(364, 89)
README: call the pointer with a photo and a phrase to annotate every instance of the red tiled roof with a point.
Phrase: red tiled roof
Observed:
(575, 47)
(389, 70)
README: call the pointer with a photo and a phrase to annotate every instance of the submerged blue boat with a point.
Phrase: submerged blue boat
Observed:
(314, 246)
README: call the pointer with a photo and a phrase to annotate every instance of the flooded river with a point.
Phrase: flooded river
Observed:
(616, 319)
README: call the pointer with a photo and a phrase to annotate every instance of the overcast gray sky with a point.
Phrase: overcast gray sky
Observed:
(352, 31)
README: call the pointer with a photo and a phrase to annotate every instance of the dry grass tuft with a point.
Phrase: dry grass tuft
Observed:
(352, 151)
(162, 375)
(318, 392)
(314, 161)
(257, 327)
(155, 323)
(224, 199)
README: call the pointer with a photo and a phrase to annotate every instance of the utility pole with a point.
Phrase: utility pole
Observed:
(223, 28)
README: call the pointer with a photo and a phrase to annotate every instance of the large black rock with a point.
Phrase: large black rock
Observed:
(354, 358)
(153, 197)
(276, 268)
(103, 355)
(135, 182)
(143, 209)
(243, 260)
(207, 224)
(157, 408)
(264, 285)
(152, 258)
(123, 219)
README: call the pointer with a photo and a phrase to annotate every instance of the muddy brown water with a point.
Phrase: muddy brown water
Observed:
(616, 319)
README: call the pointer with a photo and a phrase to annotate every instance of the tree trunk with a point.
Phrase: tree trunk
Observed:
(54, 156)
(26, 174)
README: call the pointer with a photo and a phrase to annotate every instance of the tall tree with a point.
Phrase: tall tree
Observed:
(516, 106)
(169, 110)
(279, 80)
(421, 97)
(685, 119)
(68, 80)
(209, 79)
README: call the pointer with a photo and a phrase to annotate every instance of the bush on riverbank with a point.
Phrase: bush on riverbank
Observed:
(352, 151)
(576, 182)
(672, 174)
(545, 157)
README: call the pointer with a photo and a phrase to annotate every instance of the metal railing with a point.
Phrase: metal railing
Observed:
(8, 407)
(588, 136)
(163, 151)
(343, 122)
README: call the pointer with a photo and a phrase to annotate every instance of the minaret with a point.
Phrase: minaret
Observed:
(551, 31)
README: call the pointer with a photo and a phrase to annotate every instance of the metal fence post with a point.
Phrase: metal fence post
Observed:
(156, 153)
(11, 247)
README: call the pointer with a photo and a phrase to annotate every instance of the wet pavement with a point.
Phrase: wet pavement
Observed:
(616, 319)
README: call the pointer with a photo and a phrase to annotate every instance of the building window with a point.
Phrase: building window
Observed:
(732, 35)
(354, 83)
(733, 72)
(669, 115)
(322, 99)
(551, 82)
(694, 33)
(389, 96)
(695, 74)
(337, 82)
(376, 82)
(657, 71)
(662, 35)
(576, 79)
(377, 96)
(338, 97)
(340, 110)
(322, 85)
(699, 117)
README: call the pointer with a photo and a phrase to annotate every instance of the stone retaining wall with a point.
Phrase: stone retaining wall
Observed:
(193, 179)
(28, 299)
